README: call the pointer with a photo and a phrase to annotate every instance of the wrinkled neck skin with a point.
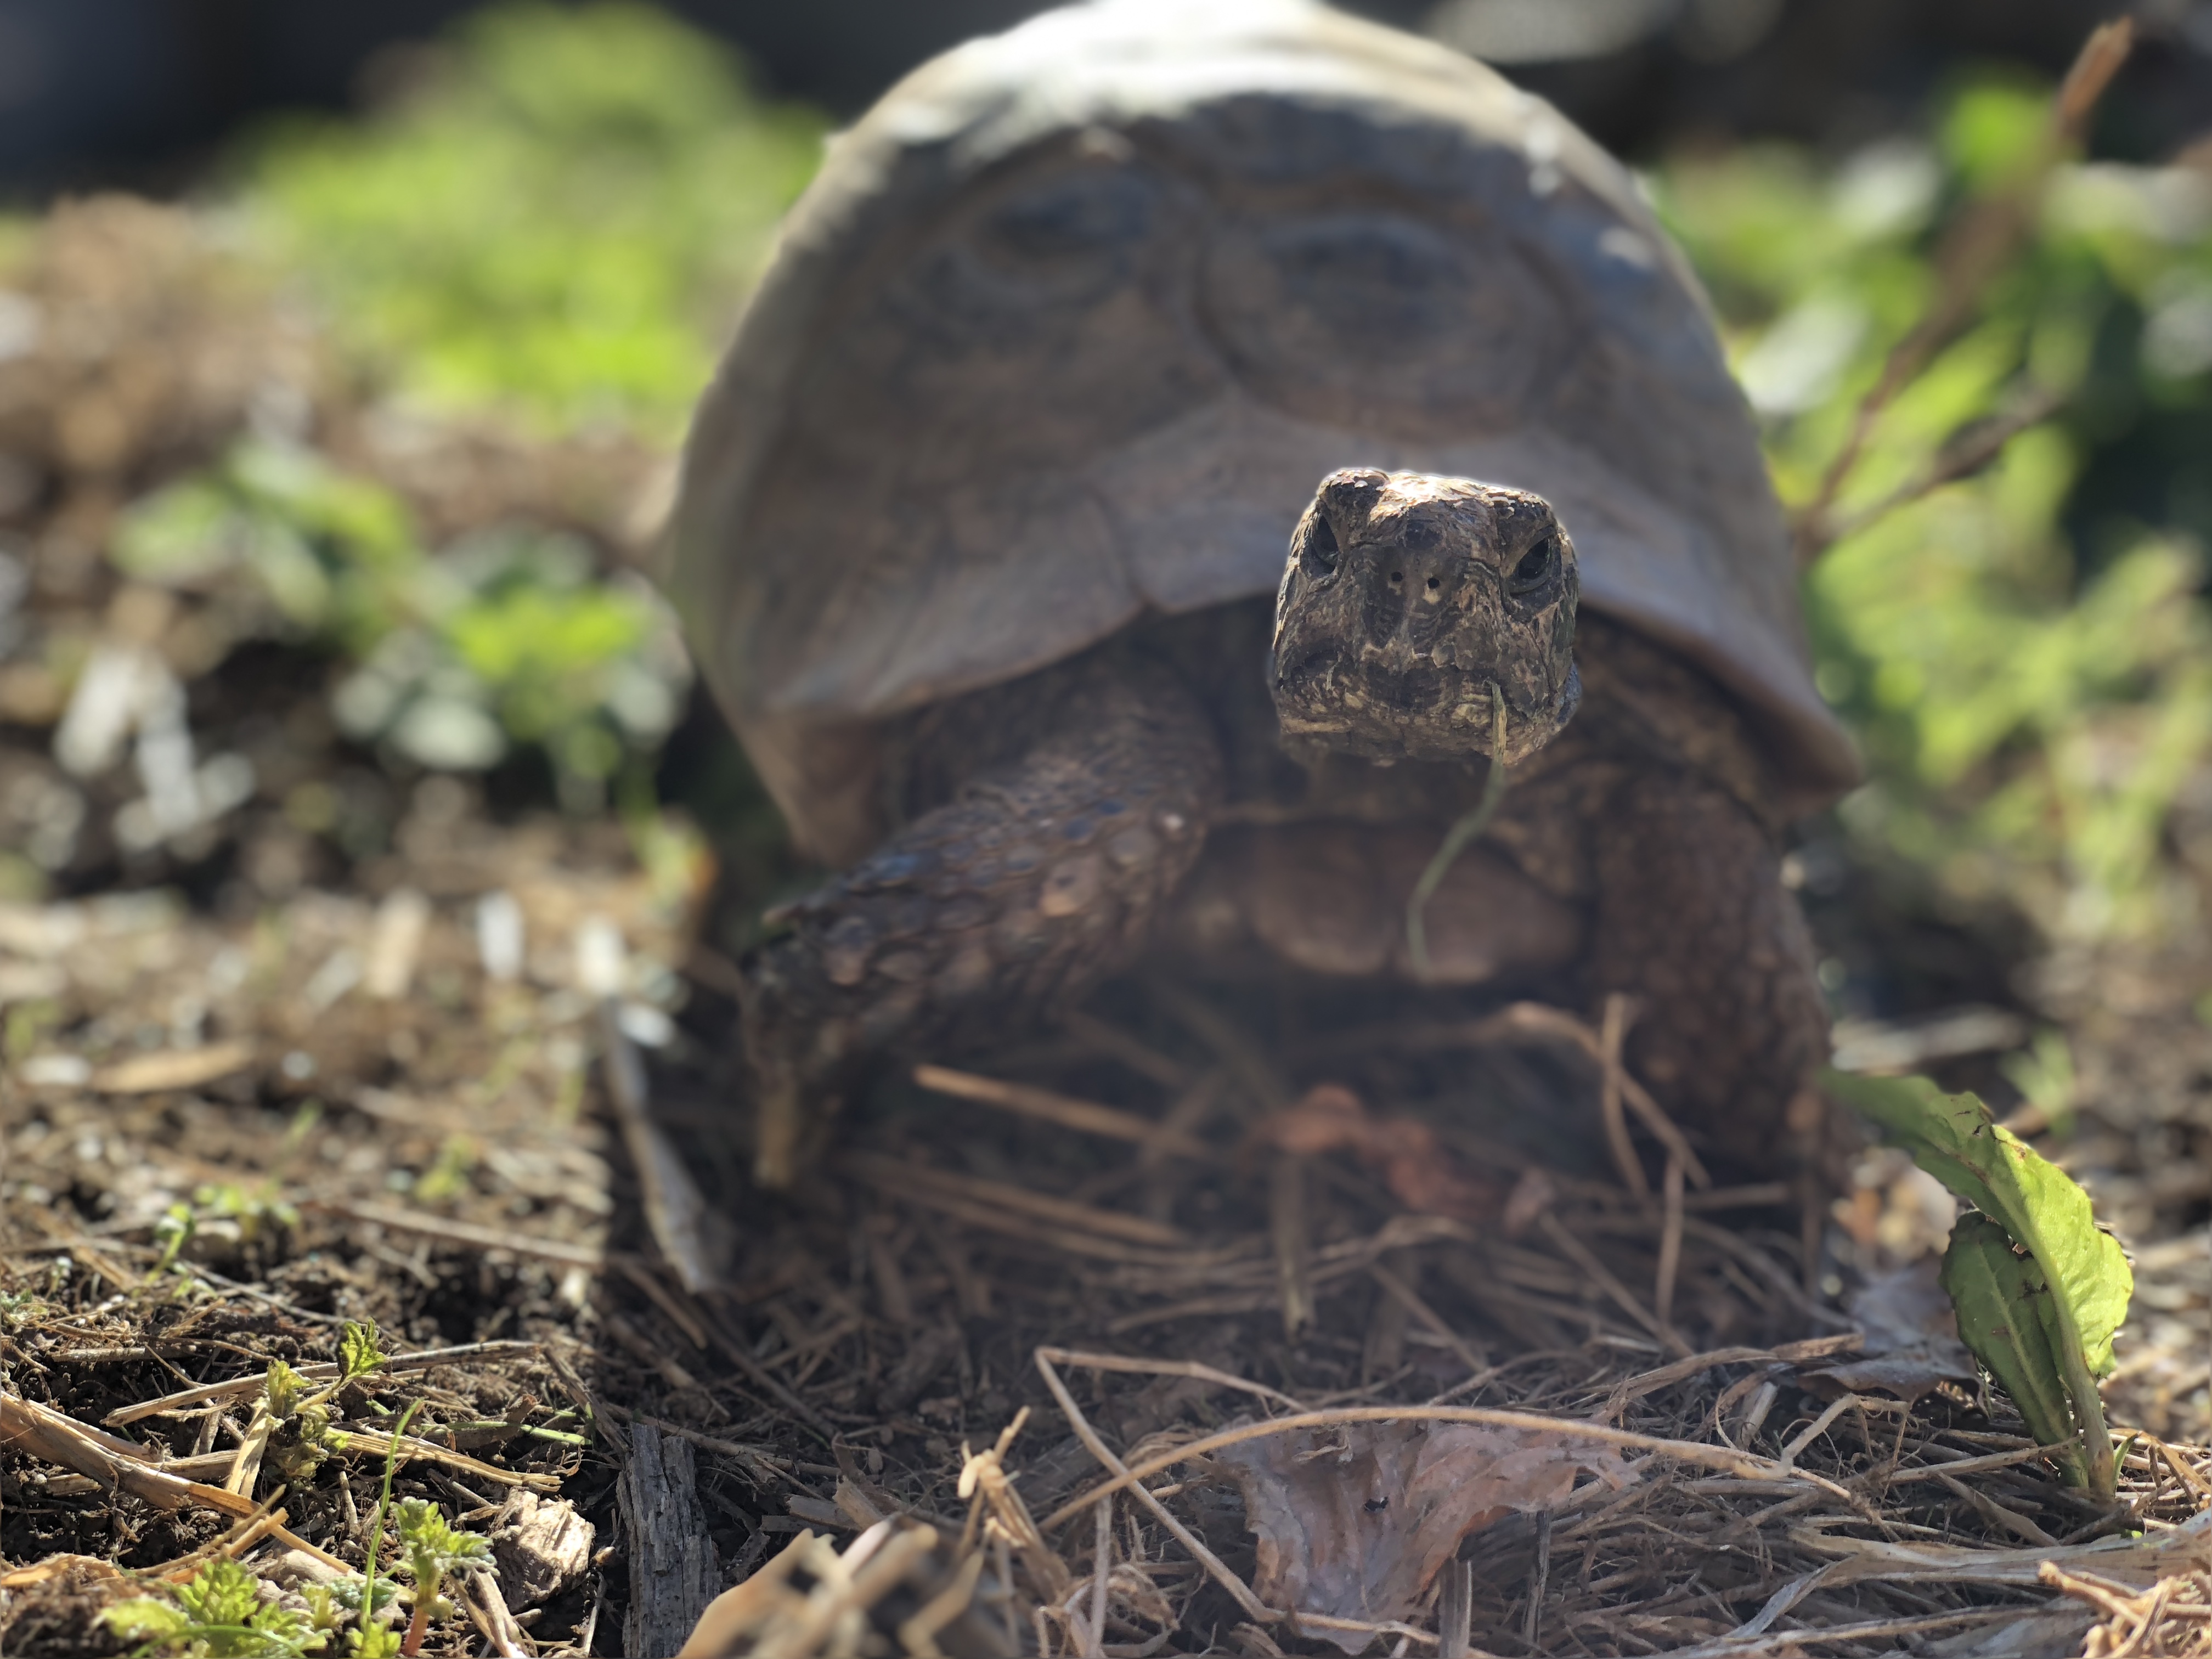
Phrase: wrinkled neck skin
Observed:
(1411, 607)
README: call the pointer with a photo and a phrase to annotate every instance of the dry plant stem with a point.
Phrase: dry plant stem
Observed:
(1582, 1255)
(1117, 1044)
(1670, 1244)
(318, 1373)
(1456, 841)
(1538, 1019)
(466, 1232)
(1976, 450)
(1407, 1298)
(1610, 1035)
(1069, 1113)
(1255, 1610)
(1746, 1465)
(1977, 246)
(1286, 1219)
(46, 1433)
(1191, 1369)
(1539, 1579)
(1102, 1569)
(900, 1176)
(678, 1216)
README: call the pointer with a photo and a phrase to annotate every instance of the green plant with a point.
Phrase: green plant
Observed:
(177, 1228)
(430, 1549)
(373, 1640)
(508, 637)
(557, 217)
(2039, 1289)
(253, 1209)
(1983, 372)
(218, 1612)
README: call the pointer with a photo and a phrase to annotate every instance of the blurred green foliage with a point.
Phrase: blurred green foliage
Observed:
(551, 224)
(509, 637)
(557, 217)
(2026, 650)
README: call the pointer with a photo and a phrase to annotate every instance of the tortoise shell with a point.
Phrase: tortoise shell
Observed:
(1071, 322)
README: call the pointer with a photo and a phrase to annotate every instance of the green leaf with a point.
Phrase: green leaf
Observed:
(221, 1593)
(1955, 1139)
(2003, 1302)
(358, 1354)
(2040, 1208)
(145, 1619)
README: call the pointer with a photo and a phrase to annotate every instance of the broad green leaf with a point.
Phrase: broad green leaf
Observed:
(1955, 1139)
(2041, 1208)
(2003, 1302)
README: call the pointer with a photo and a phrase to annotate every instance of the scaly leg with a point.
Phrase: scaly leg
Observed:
(1693, 921)
(1038, 879)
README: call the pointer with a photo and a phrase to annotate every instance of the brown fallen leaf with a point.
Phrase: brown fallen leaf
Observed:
(1911, 1345)
(173, 1068)
(1420, 1173)
(1355, 1520)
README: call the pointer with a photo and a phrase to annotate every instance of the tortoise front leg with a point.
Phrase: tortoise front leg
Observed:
(1694, 922)
(1038, 880)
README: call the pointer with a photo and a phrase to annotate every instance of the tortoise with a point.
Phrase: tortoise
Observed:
(981, 545)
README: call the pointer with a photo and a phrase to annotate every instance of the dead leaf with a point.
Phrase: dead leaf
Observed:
(1420, 1173)
(1355, 1520)
(1912, 1343)
(173, 1068)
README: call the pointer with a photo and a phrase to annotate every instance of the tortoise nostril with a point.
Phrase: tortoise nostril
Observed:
(1397, 575)
(1434, 584)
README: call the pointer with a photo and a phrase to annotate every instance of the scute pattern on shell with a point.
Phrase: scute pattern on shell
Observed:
(1073, 319)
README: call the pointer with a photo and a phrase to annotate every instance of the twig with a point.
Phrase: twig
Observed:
(897, 1174)
(1117, 1044)
(1086, 1116)
(320, 1371)
(1286, 1230)
(692, 1237)
(1602, 1276)
(43, 1433)
(1254, 1608)
(1612, 1074)
(1190, 1368)
(1724, 1458)
(1670, 1244)
(1977, 246)
(467, 1232)
(1968, 453)
(1102, 1569)
(1409, 1299)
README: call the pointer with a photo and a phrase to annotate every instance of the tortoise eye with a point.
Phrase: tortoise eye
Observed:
(1321, 544)
(1534, 568)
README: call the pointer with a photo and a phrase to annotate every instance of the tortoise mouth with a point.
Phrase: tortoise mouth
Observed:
(1420, 710)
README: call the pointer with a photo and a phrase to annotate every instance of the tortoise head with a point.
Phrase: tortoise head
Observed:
(1412, 607)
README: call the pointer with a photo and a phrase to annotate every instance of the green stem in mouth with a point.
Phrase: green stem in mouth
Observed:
(1457, 838)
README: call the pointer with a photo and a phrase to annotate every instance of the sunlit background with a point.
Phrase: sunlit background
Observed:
(344, 352)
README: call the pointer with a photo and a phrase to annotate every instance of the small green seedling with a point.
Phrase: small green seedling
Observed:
(284, 1399)
(2037, 1288)
(430, 1549)
(373, 1640)
(253, 1209)
(175, 1229)
(218, 1615)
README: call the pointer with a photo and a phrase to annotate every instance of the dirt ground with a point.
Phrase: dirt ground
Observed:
(425, 1054)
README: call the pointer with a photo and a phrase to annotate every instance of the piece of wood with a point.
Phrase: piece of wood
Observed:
(674, 1571)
